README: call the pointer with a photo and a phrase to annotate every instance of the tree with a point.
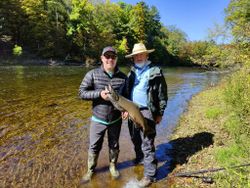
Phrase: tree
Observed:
(175, 41)
(145, 23)
(219, 34)
(87, 28)
(238, 19)
(46, 30)
(12, 20)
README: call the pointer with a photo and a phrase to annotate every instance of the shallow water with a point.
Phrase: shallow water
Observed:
(44, 127)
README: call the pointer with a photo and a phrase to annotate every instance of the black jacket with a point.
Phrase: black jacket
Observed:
(92, 85)
(157, 90)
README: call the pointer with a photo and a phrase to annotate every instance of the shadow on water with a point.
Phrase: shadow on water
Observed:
(178, 151)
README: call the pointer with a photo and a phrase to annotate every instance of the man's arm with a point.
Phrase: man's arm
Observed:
(87, 90)
(162, 94)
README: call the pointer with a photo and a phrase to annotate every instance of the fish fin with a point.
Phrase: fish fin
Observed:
(110, 88)
(106, 88)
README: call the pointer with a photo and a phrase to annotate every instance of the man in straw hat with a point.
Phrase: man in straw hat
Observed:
(148, 89)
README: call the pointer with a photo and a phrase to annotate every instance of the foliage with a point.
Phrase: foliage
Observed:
(144, 22)
(122, 48)
(17, 50)
(236, 96)
(45, 29)
(12, 20)
(81, 28)
(210, 54)
(238, 19)
(176, 40)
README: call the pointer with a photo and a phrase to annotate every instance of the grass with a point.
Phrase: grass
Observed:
(213, 113)
(237, 97)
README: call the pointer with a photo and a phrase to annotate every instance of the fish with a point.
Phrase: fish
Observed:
(124, 104)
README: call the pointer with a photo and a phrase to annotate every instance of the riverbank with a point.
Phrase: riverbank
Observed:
(208, 137)
(35, 61)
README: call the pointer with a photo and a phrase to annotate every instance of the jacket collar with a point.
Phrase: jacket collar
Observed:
(149, 64)
(116, 71)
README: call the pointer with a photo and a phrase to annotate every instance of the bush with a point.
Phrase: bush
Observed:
(17, 50)
(237, 97)
(237, 94)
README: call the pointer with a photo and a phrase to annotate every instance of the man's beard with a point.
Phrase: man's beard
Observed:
(141, 63)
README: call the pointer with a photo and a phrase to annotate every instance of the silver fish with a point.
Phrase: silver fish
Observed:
(123, 104)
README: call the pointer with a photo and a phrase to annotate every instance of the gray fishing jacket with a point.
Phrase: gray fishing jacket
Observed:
(157, 89)
(90, 89)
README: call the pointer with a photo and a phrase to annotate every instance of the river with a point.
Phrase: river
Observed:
(44, 127)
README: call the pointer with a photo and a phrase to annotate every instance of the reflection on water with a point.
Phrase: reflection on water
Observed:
(183, 84)
(44, 127)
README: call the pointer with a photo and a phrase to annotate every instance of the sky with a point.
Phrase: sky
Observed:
(194, 17)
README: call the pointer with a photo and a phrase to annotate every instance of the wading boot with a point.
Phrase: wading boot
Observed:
(138, 161)
(145, 182)
(139, 157)
(113, 156)
(92, 161)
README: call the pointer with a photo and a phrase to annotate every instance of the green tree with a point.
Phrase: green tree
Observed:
(46, 30)
(82, 29)
(12, 20)
(198, 51)
(238, 19)
(145, 23)
(175, 41)
(121, 27)
(107, 19)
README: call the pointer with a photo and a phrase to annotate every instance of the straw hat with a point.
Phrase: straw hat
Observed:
(139, 48)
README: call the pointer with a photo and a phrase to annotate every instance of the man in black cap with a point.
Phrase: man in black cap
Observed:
(105, 116)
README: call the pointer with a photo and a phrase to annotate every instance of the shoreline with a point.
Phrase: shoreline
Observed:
(196, 138)
(27, 61)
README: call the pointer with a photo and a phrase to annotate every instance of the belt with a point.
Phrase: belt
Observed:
(143, 108)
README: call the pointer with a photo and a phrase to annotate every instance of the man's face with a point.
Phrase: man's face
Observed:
(109, 60)
(140, 58)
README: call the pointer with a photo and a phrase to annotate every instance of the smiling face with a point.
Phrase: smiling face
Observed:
(109, 60)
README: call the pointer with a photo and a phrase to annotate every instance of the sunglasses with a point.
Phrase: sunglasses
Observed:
(108, 56)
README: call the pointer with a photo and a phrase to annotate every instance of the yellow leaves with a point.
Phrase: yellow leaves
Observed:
(123, 46)
(74, 15)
